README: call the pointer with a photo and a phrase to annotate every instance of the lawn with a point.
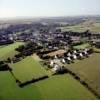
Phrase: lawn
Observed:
(27, 69)
(89, 70)
(9, 50)
(61, 87)
(82, 46)
(97, 24)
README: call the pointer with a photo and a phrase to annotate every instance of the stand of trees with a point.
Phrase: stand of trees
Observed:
(4, 66)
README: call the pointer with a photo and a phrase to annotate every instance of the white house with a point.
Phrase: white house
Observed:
(63, 61)
(51, 63)
(68, 58)
(74, 56)
(69, 54)
(80, 54)
(56, 68)
(75, 52)
(85, 52)
(55, 57)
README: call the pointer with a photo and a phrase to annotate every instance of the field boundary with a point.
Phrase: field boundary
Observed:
(22, 84)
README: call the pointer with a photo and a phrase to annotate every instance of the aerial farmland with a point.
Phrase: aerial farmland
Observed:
(49, 62)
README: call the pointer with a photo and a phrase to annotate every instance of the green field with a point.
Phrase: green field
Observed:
(9, 90)
(89, 70)
(82, 46)
(62, 87)
(27, 69)
(8, 50)
(97, 50)
(88, 25)
(97, 24)
(2, 46)
(76, 28)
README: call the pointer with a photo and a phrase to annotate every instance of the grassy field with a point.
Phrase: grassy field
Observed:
(89, 70)
(89, 25)
(97, 24)
(62, 87)
(82, 46)
(2, 46)
(9, 90)
(8, 50)
(27, 69)
(96, 49)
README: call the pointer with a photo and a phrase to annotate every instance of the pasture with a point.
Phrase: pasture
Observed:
(97, 24)
(63, 87)
(59, 87)
(97, 50)
(8, 50)
(88, 25)
(82, 46)
(88, 69)
(9, 90)
(27, 69)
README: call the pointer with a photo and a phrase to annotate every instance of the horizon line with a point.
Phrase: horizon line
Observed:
(39, 17)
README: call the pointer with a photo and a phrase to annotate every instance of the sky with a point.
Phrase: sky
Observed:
(48, 8)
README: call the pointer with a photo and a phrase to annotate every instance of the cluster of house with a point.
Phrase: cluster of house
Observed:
(5, 39)
(63, 39)
(39, 32)
(58, 61)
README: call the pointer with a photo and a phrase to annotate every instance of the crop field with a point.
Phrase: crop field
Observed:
(8, 50)
(27, 69)
(88, 69)
(60, 87)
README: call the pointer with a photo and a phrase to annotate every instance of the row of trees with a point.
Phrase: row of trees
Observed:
(25, 50)
(4, 66)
